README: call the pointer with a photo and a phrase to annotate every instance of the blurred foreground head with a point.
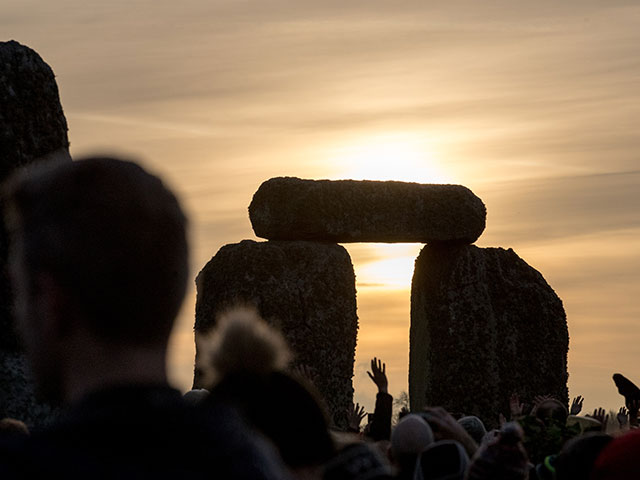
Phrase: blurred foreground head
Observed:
(249, 359)
(409, 439)
(619, 459)
(97, 249)
(501, 456)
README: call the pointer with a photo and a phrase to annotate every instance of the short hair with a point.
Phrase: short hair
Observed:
(112, 235)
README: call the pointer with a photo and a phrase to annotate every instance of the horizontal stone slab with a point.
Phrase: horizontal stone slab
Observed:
(342, 211)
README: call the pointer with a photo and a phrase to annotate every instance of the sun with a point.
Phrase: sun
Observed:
(402, 156)
(391, 268)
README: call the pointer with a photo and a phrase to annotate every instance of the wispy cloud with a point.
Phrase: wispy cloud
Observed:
(534, 105)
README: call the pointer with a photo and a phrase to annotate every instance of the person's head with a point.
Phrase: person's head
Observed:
(97, 247)
(552, 409)
(442, 460)
(357, 461)
(577, 457)
(411, 436)
(501, 455)
(249, 359)
(474, 427)
(618, 460)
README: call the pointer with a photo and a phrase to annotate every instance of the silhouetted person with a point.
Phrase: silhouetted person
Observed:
(501, 456)
(99, 264)
(380, 426)
(409, 439)
(575, 460)
(249, 363)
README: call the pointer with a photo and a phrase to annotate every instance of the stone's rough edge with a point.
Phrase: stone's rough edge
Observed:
(17, 399)
(289, 208)
(32, 128)
(31, 114)
(289, 283)
(443, 270)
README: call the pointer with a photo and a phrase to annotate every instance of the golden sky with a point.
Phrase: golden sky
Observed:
(535, 106)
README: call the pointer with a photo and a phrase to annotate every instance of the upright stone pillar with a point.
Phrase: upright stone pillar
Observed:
(32, 128)
(305, 289)
(484, 325)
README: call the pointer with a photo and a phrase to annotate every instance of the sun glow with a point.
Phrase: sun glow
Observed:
(388, 266)
(408, 157)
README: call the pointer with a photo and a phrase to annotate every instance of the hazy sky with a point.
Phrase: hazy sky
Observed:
(535, 106)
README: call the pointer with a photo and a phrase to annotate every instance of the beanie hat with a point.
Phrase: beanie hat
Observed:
(502, 456)
(357, 461)
(474, 427)
(411, 436)
(443, 460)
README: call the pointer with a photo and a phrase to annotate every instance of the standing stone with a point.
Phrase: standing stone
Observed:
(32, 128)
(484, 325)
(305, 289)
(32, 123)
(343, 211)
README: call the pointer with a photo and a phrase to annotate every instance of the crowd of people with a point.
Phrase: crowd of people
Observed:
(98, 258)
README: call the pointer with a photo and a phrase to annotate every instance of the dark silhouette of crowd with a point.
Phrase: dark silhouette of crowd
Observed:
(98, 258)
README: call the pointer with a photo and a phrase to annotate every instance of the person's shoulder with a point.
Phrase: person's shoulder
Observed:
(140, 433)
(226, 440)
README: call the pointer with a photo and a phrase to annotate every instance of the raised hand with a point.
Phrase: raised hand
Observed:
(539, 400)
(602, 416)
(623, 417)
(501, 419)
(516, 408)
(306, 372)
(633, 405)
(355, 414)
(378, 375)
(576, 405)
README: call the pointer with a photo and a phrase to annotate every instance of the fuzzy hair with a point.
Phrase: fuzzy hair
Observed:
(243, 343)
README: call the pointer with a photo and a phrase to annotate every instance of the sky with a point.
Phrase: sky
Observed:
(535, 106)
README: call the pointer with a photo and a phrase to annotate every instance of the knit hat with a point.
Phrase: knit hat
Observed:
(619, 459)
(502, 456)
(474, 427)
(411, 436)
(578, 455)
(443, 460)
(357, 461)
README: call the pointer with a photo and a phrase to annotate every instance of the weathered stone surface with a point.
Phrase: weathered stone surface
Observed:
(17, 399)
(32, 128)
(287, 208)
(32, 123)
(484, 325)
(305, 289)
